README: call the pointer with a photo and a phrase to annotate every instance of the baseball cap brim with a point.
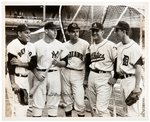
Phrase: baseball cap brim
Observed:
(94, 29)
(57, 27)
(116, 26)
(72, 29)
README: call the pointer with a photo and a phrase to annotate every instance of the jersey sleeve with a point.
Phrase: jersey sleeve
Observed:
(113, 52)
(32, 49)
(65, 51)
(136, 54)
(87, 49)
(11, 48)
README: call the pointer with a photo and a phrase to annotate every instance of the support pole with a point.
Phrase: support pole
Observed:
(76, 13)
(61, 26)
(44, 12)
(117, 22)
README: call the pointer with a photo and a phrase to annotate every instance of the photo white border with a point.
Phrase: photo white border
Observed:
(77, 2)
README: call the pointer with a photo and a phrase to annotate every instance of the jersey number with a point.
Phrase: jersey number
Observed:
(125, 60)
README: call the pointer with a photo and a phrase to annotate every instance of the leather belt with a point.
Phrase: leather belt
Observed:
(74, 69)
(125, 76)
(43, 70)
(98, 71)
(20, 75)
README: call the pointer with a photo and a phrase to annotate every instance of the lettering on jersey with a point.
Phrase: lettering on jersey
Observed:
(30, 53)
(115, 48)
(96, 56)
(125, 60)
(22, 51)
(75, 54)
(55, 54)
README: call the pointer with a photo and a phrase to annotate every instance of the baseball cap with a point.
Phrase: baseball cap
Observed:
(50, 25)
(97, 26)
(73, 26)
(122, 25)
(22, 27)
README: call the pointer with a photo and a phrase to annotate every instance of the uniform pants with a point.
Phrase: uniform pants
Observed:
(127, 85)
(72, 90)
(48, 92)
(99, 92)
(18, 110)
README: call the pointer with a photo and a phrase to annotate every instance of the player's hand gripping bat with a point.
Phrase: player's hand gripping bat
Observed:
(34, 88)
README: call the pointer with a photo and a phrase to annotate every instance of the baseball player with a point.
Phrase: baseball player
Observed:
(102, 55)
(129, 66)
(73, 73)
(47, 51)
(21, 59)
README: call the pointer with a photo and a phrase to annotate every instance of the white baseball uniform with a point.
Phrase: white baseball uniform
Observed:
(23, 52)
(49, 89)
(102, 61)
(127, 56)
(73, 76)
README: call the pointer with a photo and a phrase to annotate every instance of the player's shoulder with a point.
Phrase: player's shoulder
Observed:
(38, 42)
(66, 43)
(83, 41)
(14, 42)
(119, 44)
(30, 43)
(136, 45)
(110, 42)
(57, 41)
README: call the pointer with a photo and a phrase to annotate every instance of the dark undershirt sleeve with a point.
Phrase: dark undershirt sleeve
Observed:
(11, 68)
(65, 59)
(33, 63)
(116, 75)
(87, 62)
(139, 62)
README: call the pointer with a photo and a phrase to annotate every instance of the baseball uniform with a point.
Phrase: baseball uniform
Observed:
(73, 76)
(102, 56)
(50, 89)
(23, 52)
(128, 55)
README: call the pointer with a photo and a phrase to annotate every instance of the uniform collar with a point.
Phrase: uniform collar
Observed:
(24, 43)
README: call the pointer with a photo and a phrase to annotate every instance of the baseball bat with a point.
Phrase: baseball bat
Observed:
(34, 88)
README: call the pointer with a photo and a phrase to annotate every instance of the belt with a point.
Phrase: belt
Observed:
(125, 76)
(20, 75)
(43, 70)
(98, 71)
(74, 69)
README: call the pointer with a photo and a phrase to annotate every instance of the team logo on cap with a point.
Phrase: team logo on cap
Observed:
(74, 25)
(95, 25)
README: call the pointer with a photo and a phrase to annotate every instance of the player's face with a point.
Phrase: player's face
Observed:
(119, 33)
(74, 35)
(52, 33)
(24, 36)
(97, 34)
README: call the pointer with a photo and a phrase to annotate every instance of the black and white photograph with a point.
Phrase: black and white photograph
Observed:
(75, 61)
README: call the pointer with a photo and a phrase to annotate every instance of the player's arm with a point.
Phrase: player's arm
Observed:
(29, 65)
(62, 63)
(113, 80)
(11, 70)
(116, 75)
(87, 68)
(138, 74)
